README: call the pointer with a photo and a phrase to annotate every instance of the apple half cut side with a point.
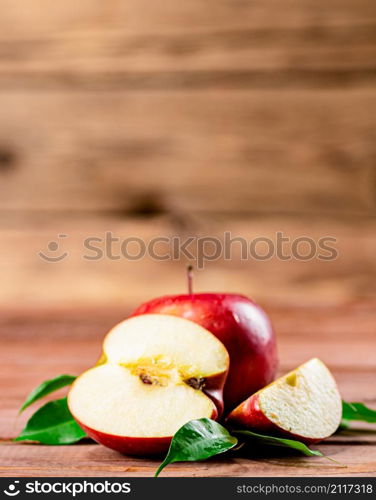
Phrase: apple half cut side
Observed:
(157, 372)
(304, 404)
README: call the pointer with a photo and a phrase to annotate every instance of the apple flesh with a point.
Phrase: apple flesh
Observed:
(156, 373)
(304, 404)
(241, 325)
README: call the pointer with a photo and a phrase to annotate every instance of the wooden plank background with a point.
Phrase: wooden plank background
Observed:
(253, 117)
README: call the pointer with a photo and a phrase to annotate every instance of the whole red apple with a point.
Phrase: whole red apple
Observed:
(240, 324)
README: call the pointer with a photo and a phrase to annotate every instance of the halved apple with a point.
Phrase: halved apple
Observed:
(157, 372)
(304, 404)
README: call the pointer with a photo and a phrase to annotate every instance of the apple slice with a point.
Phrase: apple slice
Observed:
(304, 404)
(157, 372)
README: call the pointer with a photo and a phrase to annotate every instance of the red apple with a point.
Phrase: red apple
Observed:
(240, 324)
(156, 373)
(304, 404)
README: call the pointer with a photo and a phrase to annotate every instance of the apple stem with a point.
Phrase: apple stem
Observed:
(190, 279)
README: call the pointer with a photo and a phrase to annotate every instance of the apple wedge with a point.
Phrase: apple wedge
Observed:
(304, 404)
(156, 373)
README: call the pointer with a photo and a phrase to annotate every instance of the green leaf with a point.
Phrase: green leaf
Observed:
(281, 442)
(357, 411)
(198, 440)
(343, 425)
(46, 388)
(52, 424)
(285, 443)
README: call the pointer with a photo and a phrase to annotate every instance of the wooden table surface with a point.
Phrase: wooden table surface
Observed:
(36, 345)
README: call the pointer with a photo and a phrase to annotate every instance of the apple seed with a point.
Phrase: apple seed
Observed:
(146, 379)
(196, 383)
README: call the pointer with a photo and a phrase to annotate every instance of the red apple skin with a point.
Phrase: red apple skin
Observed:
(241, 325)
(213, 388)
(248, 415)
(136, 446)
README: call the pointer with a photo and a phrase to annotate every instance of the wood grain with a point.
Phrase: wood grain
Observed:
(139, 16)
(116, 279)
(241, 111)
(277, 49)
(249, 117)
(38, 344)
(241, 152)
